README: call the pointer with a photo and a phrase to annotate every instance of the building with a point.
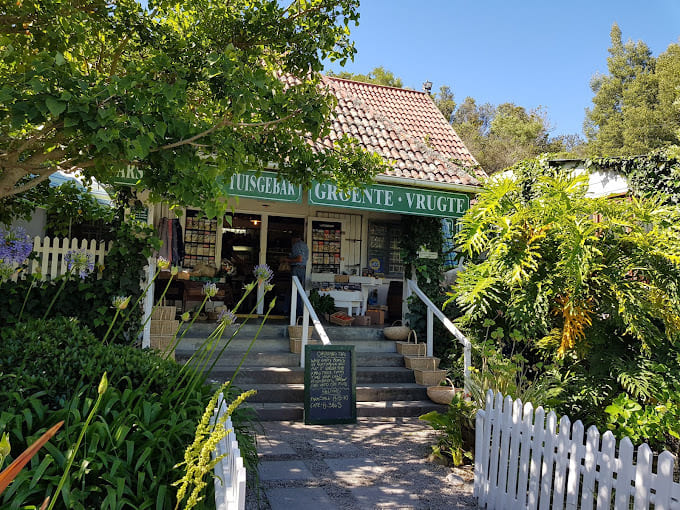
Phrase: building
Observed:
(357, 234)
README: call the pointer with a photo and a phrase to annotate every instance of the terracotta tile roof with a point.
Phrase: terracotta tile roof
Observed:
(406, 128)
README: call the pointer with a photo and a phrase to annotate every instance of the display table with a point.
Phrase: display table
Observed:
(349, 299)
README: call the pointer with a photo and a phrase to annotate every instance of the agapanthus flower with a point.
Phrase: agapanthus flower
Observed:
(263, 273)
(15, 246)
(79, 261)
(121, 302)
(210, 289)
(226, 317)
(174, 270)
(162, 263)
(185, 317)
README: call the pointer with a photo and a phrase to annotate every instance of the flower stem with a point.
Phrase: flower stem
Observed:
(75, 448)
(28, 292)
(63, 284)
(111, 325)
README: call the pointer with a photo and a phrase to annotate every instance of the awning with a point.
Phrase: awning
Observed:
(94, 189)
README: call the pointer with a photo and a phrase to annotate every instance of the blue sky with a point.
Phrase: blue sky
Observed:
(528, 52)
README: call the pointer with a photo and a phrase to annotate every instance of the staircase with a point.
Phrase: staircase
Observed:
(384, 386)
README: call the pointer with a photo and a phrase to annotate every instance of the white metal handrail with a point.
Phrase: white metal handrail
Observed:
(434, 311)
(307, 312)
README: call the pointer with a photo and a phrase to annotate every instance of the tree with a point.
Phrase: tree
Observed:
(378, 76)
(444, 100)
(499, 136)
(635, 105)
(189, 94)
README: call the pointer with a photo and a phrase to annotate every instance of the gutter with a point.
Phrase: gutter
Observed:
(417, 183)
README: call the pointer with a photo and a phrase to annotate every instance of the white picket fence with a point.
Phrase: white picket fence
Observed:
(523, 460)
(51, 252)
(230, 474)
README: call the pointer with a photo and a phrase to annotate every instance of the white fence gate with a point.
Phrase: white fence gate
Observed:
(523, 460)
(51, 253)
(230, 474)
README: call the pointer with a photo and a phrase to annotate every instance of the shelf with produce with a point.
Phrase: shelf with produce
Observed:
(326, 247)
(200, 240)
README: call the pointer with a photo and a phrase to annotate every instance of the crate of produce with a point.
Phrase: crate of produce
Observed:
(341, 319)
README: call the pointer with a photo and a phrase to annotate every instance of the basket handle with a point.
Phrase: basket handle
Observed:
(297, 321)
(397, 322)
(415, 336)
(451, 383)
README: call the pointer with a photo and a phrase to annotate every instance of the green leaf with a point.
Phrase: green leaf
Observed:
(55, 106)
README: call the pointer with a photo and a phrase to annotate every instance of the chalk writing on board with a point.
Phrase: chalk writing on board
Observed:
(330, 379)
(330, 384)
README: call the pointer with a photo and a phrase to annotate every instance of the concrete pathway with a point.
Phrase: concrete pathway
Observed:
(375, 463)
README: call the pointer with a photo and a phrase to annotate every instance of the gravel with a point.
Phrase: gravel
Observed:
(375, 463)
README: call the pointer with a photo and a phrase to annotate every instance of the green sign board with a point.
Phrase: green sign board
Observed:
(128, 175)
(264, 186)
(394, 199)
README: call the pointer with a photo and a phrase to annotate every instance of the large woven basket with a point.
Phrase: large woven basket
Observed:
(398, 333)
(442, 394)
(295, 332)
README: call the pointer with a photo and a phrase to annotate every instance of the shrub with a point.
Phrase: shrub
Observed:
(58, 355)
(588, 286)
(50, 371)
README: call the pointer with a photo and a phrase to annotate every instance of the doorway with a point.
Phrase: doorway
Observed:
(280, 232)
(241, 253)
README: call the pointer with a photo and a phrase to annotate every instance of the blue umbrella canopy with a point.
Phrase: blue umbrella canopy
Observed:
(95, 189)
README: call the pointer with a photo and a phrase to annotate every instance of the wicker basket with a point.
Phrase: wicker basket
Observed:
(411, 349)
(429, 377)
(341, 320)
(398, 333)
(442, 394)
(295, 332)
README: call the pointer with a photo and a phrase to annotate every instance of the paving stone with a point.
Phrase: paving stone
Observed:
(267, 446)
(284, 470)
(384, 497)
(299, 498)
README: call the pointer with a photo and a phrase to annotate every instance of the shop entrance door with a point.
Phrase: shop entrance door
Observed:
(241, 253)
(280, 232)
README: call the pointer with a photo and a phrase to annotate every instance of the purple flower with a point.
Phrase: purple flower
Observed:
(79, 261)
(263, 273)
(210, 289)
(227, 317)
(15, 246)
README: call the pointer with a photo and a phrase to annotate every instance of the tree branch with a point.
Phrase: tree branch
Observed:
(221, 124)
(30, 184)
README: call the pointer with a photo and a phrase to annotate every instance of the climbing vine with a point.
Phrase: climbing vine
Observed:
(655, 173)
(419, 233)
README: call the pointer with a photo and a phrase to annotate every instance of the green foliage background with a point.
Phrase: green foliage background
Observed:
(586, 289)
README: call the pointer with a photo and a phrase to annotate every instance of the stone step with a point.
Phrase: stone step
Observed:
(283, 357)
(273, 343)
(290, 393)
(295, 411)
(250, 375)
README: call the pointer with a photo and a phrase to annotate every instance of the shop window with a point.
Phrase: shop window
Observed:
(384, 249)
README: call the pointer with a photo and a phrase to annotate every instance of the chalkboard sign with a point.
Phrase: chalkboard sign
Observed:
(330, 384)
